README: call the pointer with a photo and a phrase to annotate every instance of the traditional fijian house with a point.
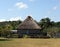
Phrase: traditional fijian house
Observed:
(29, 27)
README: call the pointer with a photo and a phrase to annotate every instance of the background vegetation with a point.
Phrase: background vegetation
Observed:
(46, 25)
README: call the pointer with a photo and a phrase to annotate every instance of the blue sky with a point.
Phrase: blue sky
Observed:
(38, 9)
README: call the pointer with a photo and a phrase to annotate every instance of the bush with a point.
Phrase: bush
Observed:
(14, 36)
(25, 36)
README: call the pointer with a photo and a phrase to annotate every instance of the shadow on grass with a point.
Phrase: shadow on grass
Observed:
(5, 39)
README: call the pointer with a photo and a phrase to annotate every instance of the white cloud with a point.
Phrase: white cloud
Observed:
(55, 8)
(21, 5)
(12, 19)
(1, 20)
(15, 19)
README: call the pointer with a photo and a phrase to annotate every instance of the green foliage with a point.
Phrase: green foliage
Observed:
(45, 23)
(25, 36)
(46, 26)
(49, 26)
(14, 36)
(5, 27)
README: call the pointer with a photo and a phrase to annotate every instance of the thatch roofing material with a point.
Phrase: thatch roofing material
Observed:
(28, 23)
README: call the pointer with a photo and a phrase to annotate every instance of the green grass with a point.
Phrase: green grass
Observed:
(26, 42)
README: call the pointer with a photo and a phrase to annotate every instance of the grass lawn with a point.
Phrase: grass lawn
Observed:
(26, 42)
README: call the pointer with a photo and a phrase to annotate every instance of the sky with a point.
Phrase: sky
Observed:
(12, 10)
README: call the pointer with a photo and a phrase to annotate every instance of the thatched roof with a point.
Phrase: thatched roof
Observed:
(28, 23)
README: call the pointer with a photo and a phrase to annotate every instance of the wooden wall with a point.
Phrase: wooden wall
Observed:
(32, 33)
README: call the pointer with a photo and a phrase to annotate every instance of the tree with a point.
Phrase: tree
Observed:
(45, 23)
(6, 30)
(1, 29)
(51, 31)
(15, 24)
